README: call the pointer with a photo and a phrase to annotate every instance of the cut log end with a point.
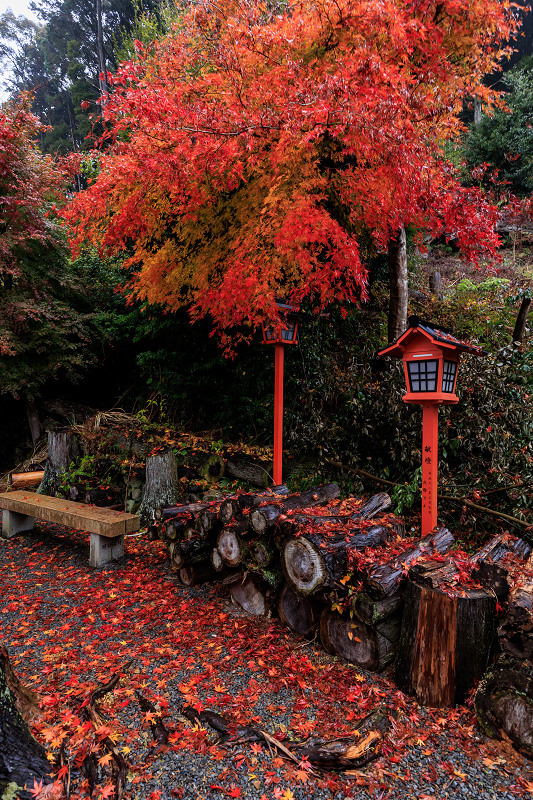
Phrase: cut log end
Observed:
(249, 595)
(300, 614)
(303, 566)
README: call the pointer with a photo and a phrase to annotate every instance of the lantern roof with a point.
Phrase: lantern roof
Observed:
(435, 335)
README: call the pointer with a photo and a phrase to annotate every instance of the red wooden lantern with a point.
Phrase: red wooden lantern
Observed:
(281, 333)
(430, 359)
(284, 331)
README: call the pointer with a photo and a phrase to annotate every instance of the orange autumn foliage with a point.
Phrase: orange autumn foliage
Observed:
(260, 151)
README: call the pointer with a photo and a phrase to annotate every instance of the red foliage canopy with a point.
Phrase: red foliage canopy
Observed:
(261, 152)
(28, 181)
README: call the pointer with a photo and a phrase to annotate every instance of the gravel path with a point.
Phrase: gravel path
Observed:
(69, 628)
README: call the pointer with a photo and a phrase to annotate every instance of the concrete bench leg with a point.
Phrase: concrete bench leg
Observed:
(103, 549)
(13, 523)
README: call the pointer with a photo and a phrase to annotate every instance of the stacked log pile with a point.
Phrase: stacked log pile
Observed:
(346, 570)
(322, 564)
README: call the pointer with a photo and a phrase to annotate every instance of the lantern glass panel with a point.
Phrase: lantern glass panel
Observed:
(423, 375)
(287, 333)
(448, 376)
(270, 333)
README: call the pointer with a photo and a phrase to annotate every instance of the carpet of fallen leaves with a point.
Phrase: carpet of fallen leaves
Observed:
(69, 629)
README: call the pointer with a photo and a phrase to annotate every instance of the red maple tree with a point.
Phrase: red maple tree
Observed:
(261, 151)
(29, 182)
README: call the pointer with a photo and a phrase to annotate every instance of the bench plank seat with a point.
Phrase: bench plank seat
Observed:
(21, 508)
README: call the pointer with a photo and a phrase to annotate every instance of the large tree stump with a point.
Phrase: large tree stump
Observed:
(504, 703)
(63, 451)
(445, 643)
(161, 488)
(22, 759)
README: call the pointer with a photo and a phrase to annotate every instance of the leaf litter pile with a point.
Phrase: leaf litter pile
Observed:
(148, 689)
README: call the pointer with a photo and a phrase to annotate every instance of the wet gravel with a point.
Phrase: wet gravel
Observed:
(68, 628)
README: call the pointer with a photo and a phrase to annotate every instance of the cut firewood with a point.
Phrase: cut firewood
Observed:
(231, 546)
(321, 559)
(504, 703)
(300, 614)
(265, 516)
(252, 594)
(371, 612)
(446, 642)
(385, 579)
(375, 505)
(207, 521)
(245, 468)
(262, 552)
(189, 510)
(515, 633)
(371, 647)
(195, 574)
(233, 506)
(216, 560)
(22, 480)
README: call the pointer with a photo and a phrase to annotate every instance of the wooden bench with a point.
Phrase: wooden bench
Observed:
(107, 528)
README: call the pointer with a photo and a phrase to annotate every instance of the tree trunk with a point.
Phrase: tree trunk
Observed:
(63, 450)
(520, 325)
(102, 77)
(300, 614)
(371, 648)
(504, 703)
(32, 413)
(161, 487)
(22, 759)
(445, 644)
(399, 286)
(435, 284)
(478, 111)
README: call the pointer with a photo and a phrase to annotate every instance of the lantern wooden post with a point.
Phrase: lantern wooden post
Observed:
(278, 414)
(280, 333)
(430, 460)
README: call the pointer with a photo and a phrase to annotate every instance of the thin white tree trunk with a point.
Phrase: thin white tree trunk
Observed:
(399, 285)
